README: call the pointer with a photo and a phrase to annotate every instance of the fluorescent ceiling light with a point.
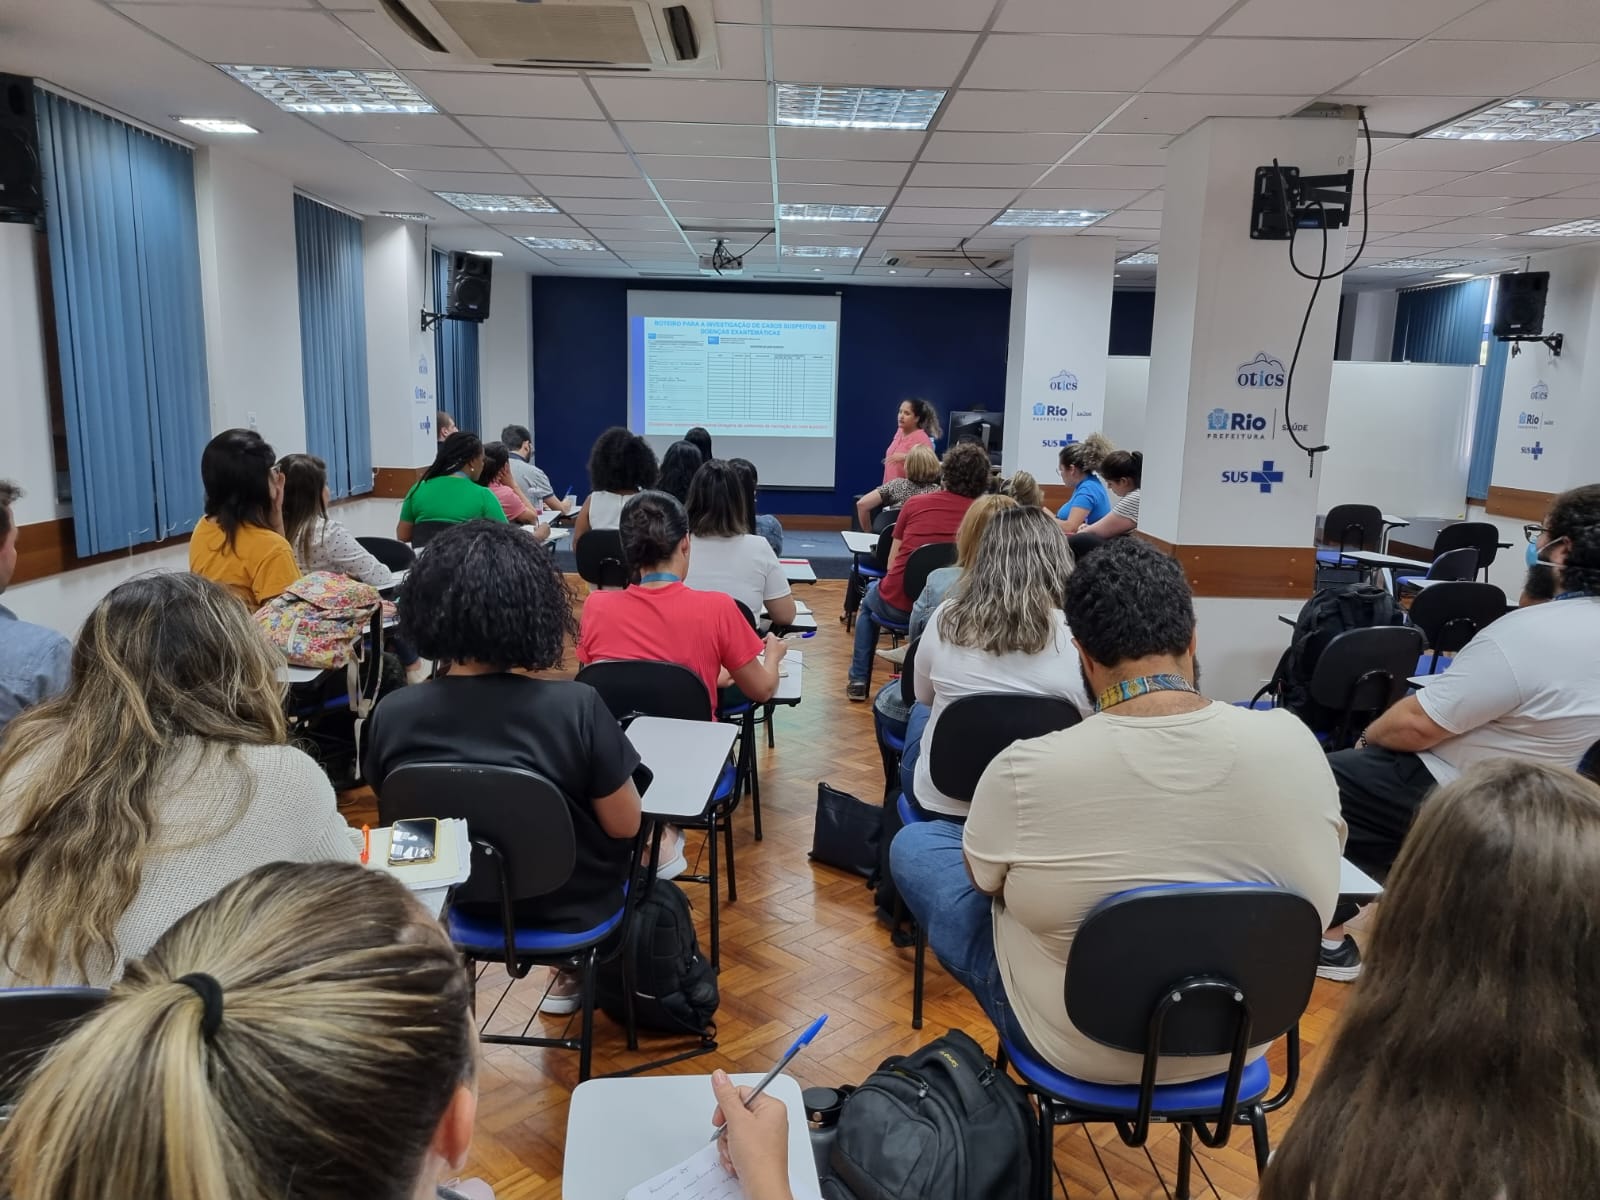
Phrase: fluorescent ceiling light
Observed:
(830, 212)
(1568, 229)
(404, 216)
(829, 107)
(1145, 258)
(216, 124)
(1458, 275)
(315, 90)
(1073, 218)
(822, 251)
(1420, 264)
(549, 243)
(487, 253)
(1527, 119)
(484, 202)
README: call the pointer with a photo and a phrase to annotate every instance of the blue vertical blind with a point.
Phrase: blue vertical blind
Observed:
(130, 330)
(456, 354)
(1440, 324)
(333, 344)
(1486, 425)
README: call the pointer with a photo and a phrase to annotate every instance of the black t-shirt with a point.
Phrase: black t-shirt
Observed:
(561, 730)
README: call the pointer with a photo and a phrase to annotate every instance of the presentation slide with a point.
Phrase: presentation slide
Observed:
(759, 372)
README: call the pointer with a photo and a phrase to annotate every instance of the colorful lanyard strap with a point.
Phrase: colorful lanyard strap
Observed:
(1141, 685)
(660, 577)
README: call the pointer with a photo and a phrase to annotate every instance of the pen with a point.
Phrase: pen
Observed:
(366, 843)
(803, 1040)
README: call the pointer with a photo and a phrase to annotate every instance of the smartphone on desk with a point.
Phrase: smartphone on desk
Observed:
(414, 841)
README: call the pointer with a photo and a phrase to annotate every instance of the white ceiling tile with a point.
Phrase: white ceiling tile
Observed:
(1411, 114)
(998, 147)
(741, 51)
(1406, 183)
(1026, 112)
(1575, 157)
(1570, 208)
(1519, 244)
(935, 197)
(688, 166)
(1441, 68)
(1270, 67)
(1124, 149)
(1449, 154)
(1587, 191)
(471, 181)
(1120, 16)
(1437, 206)
(882, 14)
(1130, 218)
(926, 174)
(1582, 84)
(387, 40)
(1527, 20)
(693, 212)
(415, 129)
(1074, 175)
(561, 187)
(434, 158)
(908, 233)
(569, 162)
(620, 208)
(829, 193)
(666, 137)
(723, 101)
(825, 170)
(678, 189)
(261, 37)
(480, 93)
(535, 224)
(875, 145)
(1510, 183)
(1172, 113)
(1152, 201)
(1097, 199)
(1392, 222)
(1091, 63)
(660, 223)
(538, 133)
(737, 12)
(242, 3)
(1482, 225)
(883, 57)
(905, 213)
(1349, 18)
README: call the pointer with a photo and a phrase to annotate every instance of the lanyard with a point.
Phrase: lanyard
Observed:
(1119, 693)
(660, 577)
(1574, 596)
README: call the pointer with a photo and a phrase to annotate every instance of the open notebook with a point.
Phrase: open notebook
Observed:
(699, 1177)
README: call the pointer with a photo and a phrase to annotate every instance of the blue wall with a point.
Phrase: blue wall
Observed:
(947, 345)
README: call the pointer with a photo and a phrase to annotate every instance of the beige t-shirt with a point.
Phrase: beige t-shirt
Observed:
(1061, 822)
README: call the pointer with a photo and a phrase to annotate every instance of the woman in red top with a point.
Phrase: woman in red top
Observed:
(918, 426)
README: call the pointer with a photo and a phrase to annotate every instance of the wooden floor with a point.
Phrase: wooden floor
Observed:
(800, 941)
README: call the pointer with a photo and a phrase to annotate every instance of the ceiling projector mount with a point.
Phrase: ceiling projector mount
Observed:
(722, 261)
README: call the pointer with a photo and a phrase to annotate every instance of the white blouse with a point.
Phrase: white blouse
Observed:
(334, 548)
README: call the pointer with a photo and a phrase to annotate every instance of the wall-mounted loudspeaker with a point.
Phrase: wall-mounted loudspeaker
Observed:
(468, 297)
(1519, 304)
(21, 192)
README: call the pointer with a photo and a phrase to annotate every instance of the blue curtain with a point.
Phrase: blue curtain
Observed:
(1486, 428)
(333, 344)
(456, 355)
(1440, 324)
(130, 329)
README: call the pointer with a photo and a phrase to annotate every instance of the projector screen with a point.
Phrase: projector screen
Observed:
(759, 372)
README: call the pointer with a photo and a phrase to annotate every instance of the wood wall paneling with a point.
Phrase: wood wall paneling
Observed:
(1518, 502)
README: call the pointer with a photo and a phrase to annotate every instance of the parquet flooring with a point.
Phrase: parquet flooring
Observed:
(802, 940)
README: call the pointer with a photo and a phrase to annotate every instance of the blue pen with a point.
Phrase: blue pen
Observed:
(803, 1040)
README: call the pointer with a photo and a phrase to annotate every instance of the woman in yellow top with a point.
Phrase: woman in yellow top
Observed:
(448, 490)
(239, 543)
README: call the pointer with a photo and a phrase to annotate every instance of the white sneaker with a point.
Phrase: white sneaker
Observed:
(672, 860)
(565, 995)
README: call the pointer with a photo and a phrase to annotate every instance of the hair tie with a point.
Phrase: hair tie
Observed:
(210, 993)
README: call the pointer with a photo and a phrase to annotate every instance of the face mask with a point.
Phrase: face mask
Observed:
(1533, 555)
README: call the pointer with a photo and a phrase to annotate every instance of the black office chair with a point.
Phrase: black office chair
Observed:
(924, 561)
(1481, 536)
(1349, 527)
(863, 570)
(1180, 971)
(1450, 614)
(1458, 565)
(663, 689)
(523, 848)
(391, 552)
(600, 561)
(31, 1021)
(1359, 674)
(892, 745)
(424, 532)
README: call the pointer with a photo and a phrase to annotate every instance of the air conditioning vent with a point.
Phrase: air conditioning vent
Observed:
(949, 260)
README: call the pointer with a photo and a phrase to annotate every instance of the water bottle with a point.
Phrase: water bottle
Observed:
(823, 1106)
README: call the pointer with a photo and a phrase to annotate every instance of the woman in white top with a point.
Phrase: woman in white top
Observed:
(723, 557)
(158, 777)
(620, 464)
(1002, 631)
(321, 543)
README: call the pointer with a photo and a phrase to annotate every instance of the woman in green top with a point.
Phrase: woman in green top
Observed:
(448, 490)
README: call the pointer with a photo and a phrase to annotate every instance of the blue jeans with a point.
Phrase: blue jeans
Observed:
(931, 877)
(867, 632)
(915, 724)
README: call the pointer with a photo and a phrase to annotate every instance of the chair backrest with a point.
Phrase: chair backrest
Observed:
(391, 552)
(924, 561)
(524, 817)
(1461, 563)
(1362, 672)
(880, 554)
(600, 560)
(31, 1021)
(648, 689)
(1451, 613)
(1136, 947)
(1482, 536)
(744, 611)
(973, 730)
(424, 532)
(908, 674)
(1353, 527)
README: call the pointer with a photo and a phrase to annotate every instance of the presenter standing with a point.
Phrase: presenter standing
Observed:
(918, 426)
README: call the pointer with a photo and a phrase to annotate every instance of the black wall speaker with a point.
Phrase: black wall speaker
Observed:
(468, 298)
(1519, 304)
(21, 191)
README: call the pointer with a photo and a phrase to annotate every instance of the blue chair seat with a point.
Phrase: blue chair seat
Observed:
(895, 741)
(903, 627)
(868, 571)
(1426, 665)
(908, 815)
(1262, 705)
(1332, 557)
(1201, 1097)
(486, 935)
(1409, 580)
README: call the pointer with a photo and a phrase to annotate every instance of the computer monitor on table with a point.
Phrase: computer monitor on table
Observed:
(985, 428)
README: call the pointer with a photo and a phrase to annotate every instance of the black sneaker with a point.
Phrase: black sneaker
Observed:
(855, 690)
(1342, 965)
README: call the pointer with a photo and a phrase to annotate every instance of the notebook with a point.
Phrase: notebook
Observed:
(699, 1177)
(452, 861)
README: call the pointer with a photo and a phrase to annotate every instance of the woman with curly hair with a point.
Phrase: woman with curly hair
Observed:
(489, 601)
(916, 424)
(620, 464)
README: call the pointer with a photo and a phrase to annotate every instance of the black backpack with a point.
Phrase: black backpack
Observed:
(1324, 617)
(941, 1123)
(674, 987)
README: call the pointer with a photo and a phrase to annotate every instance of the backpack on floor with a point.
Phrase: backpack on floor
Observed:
(1324, 617)
(941, 1123)
(674, 987)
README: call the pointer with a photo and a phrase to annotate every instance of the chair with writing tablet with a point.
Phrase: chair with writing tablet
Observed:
(864, 568)
(1450, 614)
(892, 745)
(391, 552)
(1359, 675)
(600, 560)
(734, 706)
(31, 1021)
(1482, 536)
(1459, 565)
(1348, 527)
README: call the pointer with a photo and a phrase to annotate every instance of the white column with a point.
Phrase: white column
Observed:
(505, 355)
(402, 391)
(1056, 360)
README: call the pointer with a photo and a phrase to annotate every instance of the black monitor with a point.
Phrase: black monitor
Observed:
(985, 428)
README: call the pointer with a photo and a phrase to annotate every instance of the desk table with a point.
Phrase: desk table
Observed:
(789, 683)
(686, 758)
(1289, 619)
(858, 542)
(1354, 883)
(1421, 534)
(1372, 558)
(798, 570)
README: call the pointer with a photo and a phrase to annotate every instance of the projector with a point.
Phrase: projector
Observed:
(724, 266)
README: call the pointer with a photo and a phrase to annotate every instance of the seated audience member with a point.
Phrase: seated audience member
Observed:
(1121, 471)
(535, 484)
(448, 490)
(1470, 1029)
(1527, 686)
(1024, 489)
(620, 465)
(307, 1033)
(1159, 785)
(1002, 631)
(922, 475)
(925, 519)
(762, 524)
(35, 662)
(239, 543)
(160, 775)
(724, 556)
(678, 466)
(519, 508)
(1540, 584)
(1078, 468)
(321, 543)
(700, 439)
(489, 709)
(445, 424)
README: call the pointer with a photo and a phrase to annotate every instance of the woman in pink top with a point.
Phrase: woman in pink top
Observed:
(497, 477)
(919, 425)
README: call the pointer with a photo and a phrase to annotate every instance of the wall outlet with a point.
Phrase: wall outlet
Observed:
(251, 418)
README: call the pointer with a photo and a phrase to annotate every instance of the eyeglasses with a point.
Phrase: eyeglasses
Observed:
(1533, 531)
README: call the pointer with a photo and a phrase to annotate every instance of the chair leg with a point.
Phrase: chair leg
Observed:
(1045, 1151)
(630, 1020)
(586, 1047)
(769, 713)
(749, 748)
(1180, 1189)
(716, 927)
(727, 837)
(918, 966)
(876, 631)
(1258, 1135)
